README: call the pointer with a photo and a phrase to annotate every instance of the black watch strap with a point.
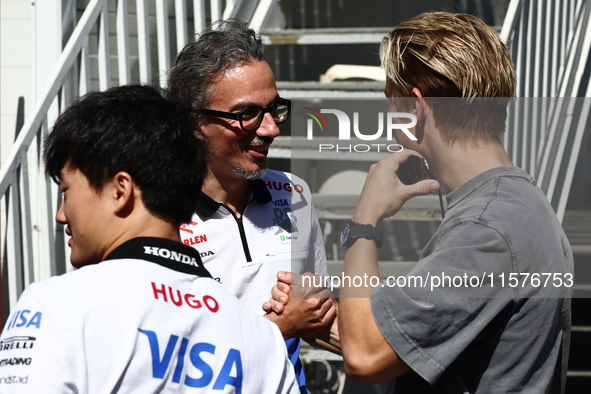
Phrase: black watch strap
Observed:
(354, 231)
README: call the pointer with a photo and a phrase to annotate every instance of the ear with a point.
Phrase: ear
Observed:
(123, 193)
(198, 133)
(420, 106)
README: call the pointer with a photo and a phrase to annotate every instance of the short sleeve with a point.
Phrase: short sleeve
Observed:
(39, 347)
(430, 326)
(317, 256)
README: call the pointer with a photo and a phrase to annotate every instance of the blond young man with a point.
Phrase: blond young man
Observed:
(491, 339)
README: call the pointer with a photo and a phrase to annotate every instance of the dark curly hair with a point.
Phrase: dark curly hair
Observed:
(230, 43)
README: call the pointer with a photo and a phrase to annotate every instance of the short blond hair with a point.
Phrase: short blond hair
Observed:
(450, 55)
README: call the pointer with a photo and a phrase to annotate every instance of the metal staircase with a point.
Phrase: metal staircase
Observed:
(117, 42)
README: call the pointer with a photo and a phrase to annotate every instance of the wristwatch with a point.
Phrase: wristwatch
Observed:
(354, 230)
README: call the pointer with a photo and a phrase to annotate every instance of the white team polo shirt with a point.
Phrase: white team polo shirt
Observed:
(278, 231)
(149, 319)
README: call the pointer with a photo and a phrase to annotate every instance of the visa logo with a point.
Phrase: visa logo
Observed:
(281, 203)
(25, 318)
(161, 364)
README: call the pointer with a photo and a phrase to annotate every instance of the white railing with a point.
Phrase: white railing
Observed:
(32, 244)
(550, 42)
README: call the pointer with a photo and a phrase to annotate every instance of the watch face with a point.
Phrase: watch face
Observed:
(345, 234)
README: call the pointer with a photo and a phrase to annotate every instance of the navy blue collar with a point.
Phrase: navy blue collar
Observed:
(206, 206)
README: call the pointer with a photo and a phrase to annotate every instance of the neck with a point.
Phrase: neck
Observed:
(454, 165)
(144, 224)
(233, 191)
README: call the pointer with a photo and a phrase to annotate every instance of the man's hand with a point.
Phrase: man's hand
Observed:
(280, 293)
(384, 194)
(310, 309)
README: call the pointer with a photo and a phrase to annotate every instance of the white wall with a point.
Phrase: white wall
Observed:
(16, 73)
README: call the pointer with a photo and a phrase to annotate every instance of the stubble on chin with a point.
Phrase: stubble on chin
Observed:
(253, 175)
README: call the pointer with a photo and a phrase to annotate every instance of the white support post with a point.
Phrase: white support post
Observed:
(163, 40)
(143, 36)
(260, 13)
(11, 250)
(530, 68)
(103, 49)
(180, 9)
(123, 43)
(216, 10)
(583, 121)
(229, 10)
(18, 237)
(26, 217)
(199, 15)
(510, 21)
(84, 86)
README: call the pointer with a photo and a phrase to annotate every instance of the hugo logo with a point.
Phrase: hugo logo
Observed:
(189, 299)
(288, 187)
(345, 125)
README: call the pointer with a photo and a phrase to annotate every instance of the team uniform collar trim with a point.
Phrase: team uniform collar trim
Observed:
(206, 206)
(165, 252)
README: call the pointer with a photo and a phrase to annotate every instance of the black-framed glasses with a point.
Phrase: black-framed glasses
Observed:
(250, 118)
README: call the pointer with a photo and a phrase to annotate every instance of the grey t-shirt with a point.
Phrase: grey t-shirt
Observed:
(487, 339)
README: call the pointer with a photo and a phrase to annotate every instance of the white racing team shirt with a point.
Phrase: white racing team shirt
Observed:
(148, 319)
(278, 231)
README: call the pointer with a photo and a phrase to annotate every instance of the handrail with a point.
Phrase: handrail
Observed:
(550, 44)
(66, 60)
(33, 245)
(527, 30)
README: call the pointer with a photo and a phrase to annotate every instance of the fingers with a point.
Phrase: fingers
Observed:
(402, 156)
(331, 314)
(284, 277)
(423, 188)
(393, 161)
(280, 295)
(273, 306)
(328, 310)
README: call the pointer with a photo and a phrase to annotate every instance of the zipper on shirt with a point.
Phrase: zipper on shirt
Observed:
(241, 230)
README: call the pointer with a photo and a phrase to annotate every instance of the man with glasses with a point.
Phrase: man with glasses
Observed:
(250, 222)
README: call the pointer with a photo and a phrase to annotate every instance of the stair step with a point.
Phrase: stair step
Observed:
(579, 359)
(580, 308)
(337, 89)
(577, 384)
(347, 35)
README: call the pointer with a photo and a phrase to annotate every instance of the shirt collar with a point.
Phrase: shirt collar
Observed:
(165, 252)
(470, 186)
(206, 206)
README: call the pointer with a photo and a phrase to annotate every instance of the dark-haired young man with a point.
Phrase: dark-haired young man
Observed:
(250, 222)
(141, 314)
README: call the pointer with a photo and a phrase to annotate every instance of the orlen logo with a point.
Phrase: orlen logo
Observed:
(392, 119)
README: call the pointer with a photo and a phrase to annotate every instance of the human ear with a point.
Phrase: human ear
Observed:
(123, 193)
(419, 106)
